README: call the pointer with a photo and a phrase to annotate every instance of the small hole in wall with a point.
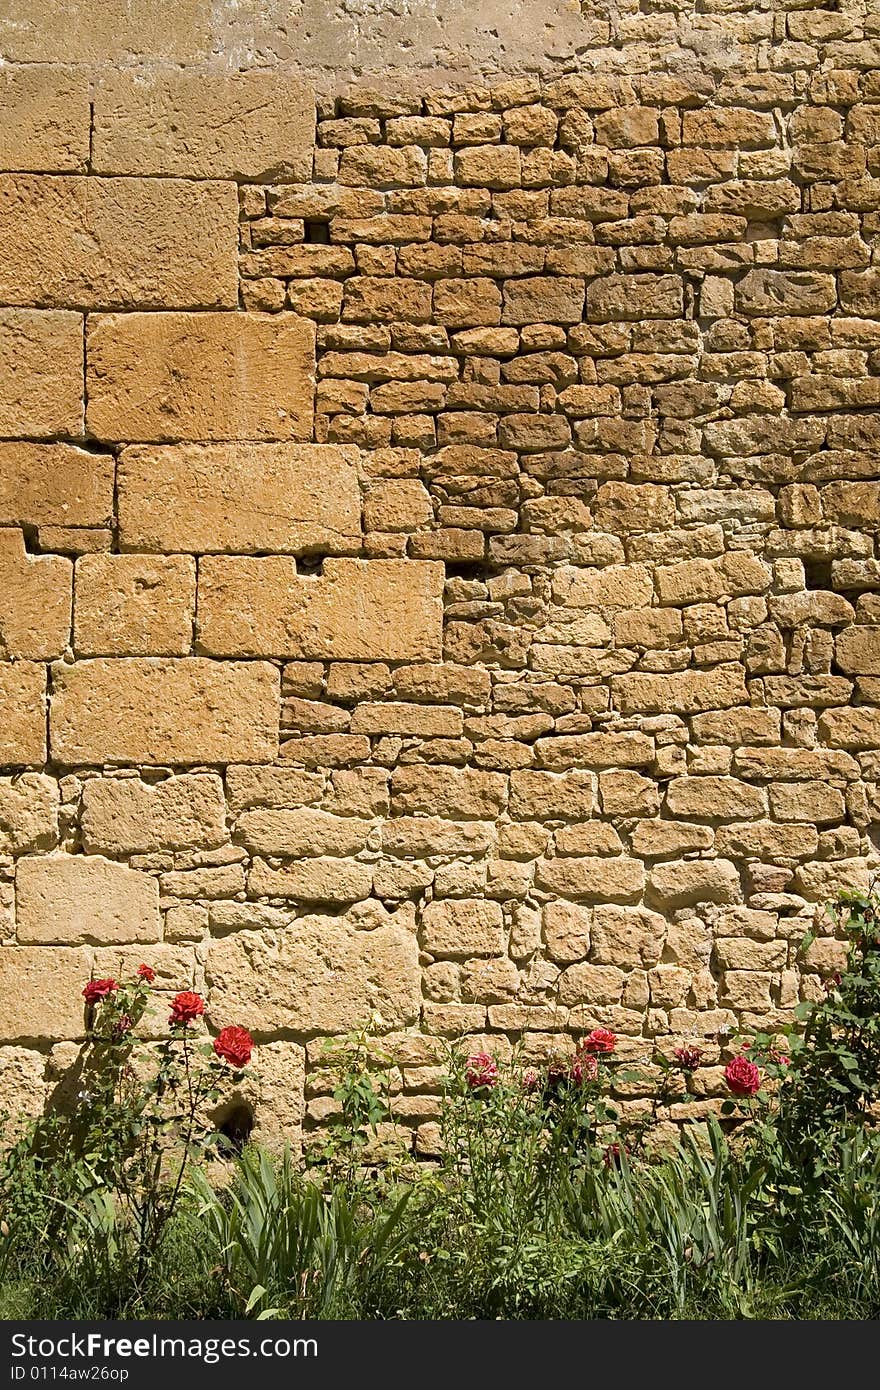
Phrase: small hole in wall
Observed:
(469, 569)
(235, 1127)
(317, 232)
(310, 564)
(817, 574)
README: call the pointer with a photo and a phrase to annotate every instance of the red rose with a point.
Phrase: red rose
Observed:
(531, 1080)
(481, 1072)
(234, 1045)
(742, 1077)
(146, 972)
(96, 990)
(688, 1058)
(600, 1040)
(185, 1007)
(584, 1068)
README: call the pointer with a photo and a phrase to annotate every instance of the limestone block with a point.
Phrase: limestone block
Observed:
(857, 650)
(595, 750)
(422, 837)
(624, 507)
(316, 880)
(123, 815)
(62, 31)
(714, 798)
(28, 813)
(75, 900)
(655, 839)
(54, 485)
(134, 605)
(118, 243)
(23, 1087)
(771, 292)
(766, 841)
(44, 119)
(210, 376)
(627, 937)
(301, 833)
(463, 927)
(355, 610)
(546, 796)
(685, 692)
(245, 125)
(342, 975)
(41, 372)
(807, 801)
(850, 728)
(590, 984)
(271, 786)
(618, 586)
(22, 714)
(164, 711)
(595, 879)
(693, 881)
(41, 988)
(489, 981)
(540, 299)
(273, 1085)
(624, 297)
(627, 793)
(35, 598)
(566, 929)
(459, 793)
(239, 498)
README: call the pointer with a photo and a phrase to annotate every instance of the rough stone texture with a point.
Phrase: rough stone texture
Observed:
(157, 377)
(41, 373)
(240, 498)
(143, 711)
(500, 556)
(113, 243)
(354, 611)
(249, 125)
(75, 900)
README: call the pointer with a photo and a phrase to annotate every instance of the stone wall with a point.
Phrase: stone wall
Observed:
(438, 566)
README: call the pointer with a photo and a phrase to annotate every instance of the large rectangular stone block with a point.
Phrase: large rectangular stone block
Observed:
(54, 485)
(212, 376)
(356, 610)
(41, 373)
(134, 605)
(22, 714)
(341, 976)
(239, 498)
(175, 712)
(80, 899)
(44, 119)
(41, 988)
(123, 815)
(67, 31)
(115, 243)
(35, 598)
(249, 125)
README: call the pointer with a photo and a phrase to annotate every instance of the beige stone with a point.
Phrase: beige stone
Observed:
(714, 798)
(302, 833)
(421, 837)
(595, 879)
(590, 984)
(234, 125)
(35, 598)
(312, 881)
(850, 728)
(623, 507)
(551, 796)
(54, 485)
(44, 119)
(343, 975)
(271, 786)
(694, 881)
(770, 292)
(134, 605)
(463, 927)
(628, 793)
(210, 376)
(123, 815)
(41, 988)
(28, 813)
(164, 711)
(355, 610)
(62, 32)
(489, 981)
(75, 900)
(655, 839)
(685, 693)
(627, 937)
(273, 1086)
(118, 243)
(461, 793)
(22, 714)
(239, 498)
(41, 372)
(566, 931)
(23, 1084)
(596, 750)
(857, 650)
(807, 801)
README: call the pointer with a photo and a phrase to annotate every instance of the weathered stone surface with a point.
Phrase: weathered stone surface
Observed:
(54, 485)
(80, 899)
(44, 119)
(42, 992)
(628, 937)
(239, 498)
(41, 373)
(312, 881)
(461, 793)
(301, 833)
(463, 927)
(35, 598)
(714, 798)
(210, 376)
(566, 931)
(118, 243)
(134, 605)
(687, 693)
(164, 711)
(245, 125)
(61, 32)
(23, 1082)
(342, 974)
(22, 714)
(28, 814)
(355, 610)
(123, 815)
(596, 880)
(857, 650)
(694, 881)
